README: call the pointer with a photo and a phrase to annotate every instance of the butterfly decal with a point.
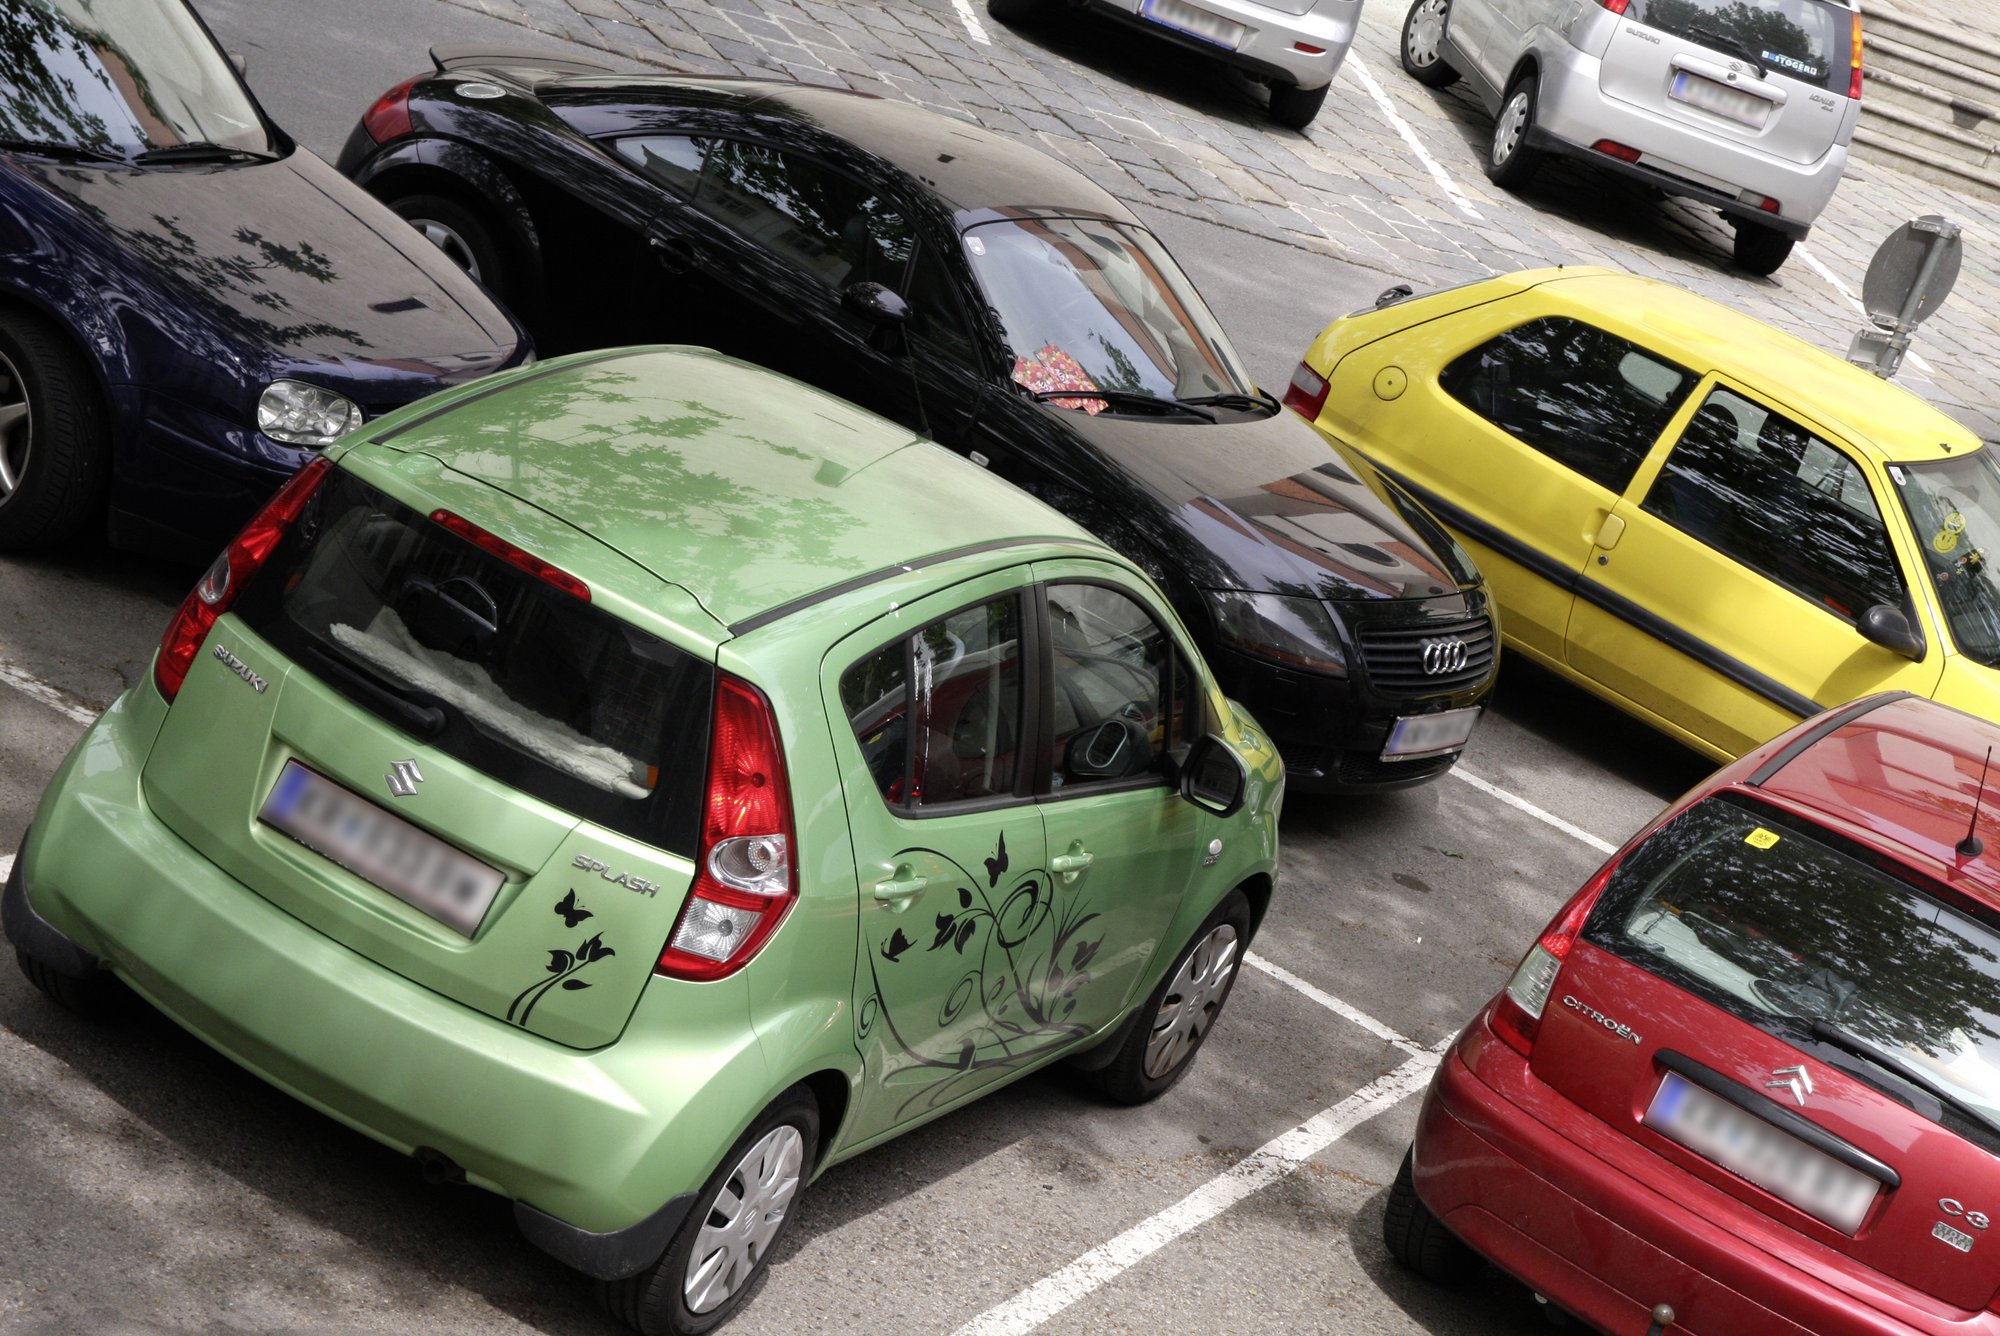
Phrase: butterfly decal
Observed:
(572, 912)
(996, 866)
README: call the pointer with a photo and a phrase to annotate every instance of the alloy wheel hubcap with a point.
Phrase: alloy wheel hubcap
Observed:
(1192, 1000)
(745, 1216)
(1426, 31)
(450, 242)
(16, 430)
(1507, 133)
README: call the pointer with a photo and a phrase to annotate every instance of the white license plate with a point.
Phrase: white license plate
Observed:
(1751, 1148)
(1194, 22)
(411, 864)
(1418, 735)
(1721, 99)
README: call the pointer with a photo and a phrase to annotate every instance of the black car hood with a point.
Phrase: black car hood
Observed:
(286, 267)
(1268, 506)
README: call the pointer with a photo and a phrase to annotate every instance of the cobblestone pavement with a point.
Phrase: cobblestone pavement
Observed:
(1158, 126)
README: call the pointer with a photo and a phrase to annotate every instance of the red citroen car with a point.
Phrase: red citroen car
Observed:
(1751, 1072)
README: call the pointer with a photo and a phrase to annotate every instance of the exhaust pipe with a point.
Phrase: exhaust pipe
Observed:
(437, 1167)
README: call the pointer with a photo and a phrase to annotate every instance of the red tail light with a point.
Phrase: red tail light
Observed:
(1306, 395)
(1611, 148)
(1854, 80)
(513, 556)
(389, 118)
(748, 872)
(1616, 6)
(1517, 1012)
(217, 589)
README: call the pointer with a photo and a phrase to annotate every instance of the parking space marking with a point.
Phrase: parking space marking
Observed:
(34, 688)
(1272, 1161)
(6, 866)
(1331, 1003)
(1494, 790)
(1833, 280)
(971, 21)
(1431, 165)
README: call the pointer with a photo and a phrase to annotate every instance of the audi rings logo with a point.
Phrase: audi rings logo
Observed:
(1444, 655)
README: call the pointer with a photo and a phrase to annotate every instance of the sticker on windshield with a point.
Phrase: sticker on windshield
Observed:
(1946, 538)
(1761, 838)
(975, 245)
(1897, 474)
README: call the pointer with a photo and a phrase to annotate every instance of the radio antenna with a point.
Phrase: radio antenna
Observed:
(1970, 846)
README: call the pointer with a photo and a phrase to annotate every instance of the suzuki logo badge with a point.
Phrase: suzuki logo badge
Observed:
(1446, 655)
(1795, 1079)
(403, 778)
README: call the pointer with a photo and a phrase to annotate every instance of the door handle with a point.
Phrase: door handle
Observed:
(1072, 864)
(1609, 532)
(901, 887)
(671, 254)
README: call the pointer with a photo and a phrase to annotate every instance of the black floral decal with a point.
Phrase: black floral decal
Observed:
(563, 965)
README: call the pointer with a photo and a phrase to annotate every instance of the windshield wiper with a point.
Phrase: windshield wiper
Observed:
(1230, 399)
(197, 150)
(1821, 1028)
(1734, 45)
(76, 152)
(1130, 399)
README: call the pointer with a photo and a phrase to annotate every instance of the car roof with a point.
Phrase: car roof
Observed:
(1705, 335)
(964, 165)
(749, 490)
(1900, 772)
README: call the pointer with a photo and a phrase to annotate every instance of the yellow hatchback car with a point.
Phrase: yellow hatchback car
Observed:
(1702, 519)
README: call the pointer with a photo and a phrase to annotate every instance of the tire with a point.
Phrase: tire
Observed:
(1423, 44)
(774, 1158)
(94, 998)
(1294, 107)
(1016, 12)
(1182, 1010)
(1419, 1240)
(457, 231)
(55, 436)
(1760, 249)
(1510, 162)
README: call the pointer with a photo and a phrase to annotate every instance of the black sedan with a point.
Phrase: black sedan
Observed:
(190, 304)
(990, 297)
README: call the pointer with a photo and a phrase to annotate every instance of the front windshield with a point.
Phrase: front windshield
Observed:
(1954, 509)
(1087, 304)
(119, 76)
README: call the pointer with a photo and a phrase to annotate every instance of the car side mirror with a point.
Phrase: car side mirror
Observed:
(1115, 749)
(1887, 626)
(1213, 777)
(885, 311)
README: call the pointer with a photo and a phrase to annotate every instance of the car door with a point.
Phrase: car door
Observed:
(1725, 590)
(1122, 699)
(934, 710)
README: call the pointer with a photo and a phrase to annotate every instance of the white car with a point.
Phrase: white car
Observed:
(1294, 46)
(1747, 105)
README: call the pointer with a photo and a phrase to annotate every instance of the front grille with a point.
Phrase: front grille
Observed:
(1394, 656)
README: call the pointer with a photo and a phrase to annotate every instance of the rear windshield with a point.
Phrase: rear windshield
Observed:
(1799, 933)
(1806, 39)
(489, 664)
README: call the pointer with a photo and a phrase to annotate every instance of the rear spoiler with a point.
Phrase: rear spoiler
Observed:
(451, 57)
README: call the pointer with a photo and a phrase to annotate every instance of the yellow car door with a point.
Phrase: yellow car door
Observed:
(1726, 593)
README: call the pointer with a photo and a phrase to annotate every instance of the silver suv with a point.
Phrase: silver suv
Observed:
(1747, 105)
(1294, 46)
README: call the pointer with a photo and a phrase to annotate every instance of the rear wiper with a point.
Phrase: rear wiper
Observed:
(1821, 1028)
(1733, 45)
(1130, 399)
(1230, 399)
(197, 150)
(76, 152)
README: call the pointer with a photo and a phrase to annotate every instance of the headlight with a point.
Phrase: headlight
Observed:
(1293, 631)
(300, 414)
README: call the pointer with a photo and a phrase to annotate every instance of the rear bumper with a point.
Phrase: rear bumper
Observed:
(1563, 1216)
(599, 1150)
(1269, 48)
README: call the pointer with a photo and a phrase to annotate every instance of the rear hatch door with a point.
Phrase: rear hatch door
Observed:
(1770, 74)
(1725, 948)
(460, 771)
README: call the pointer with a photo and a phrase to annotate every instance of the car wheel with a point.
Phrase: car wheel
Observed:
(466, 241)
(93, 998)
(1423, 44)
(1510, 161)
(1015, 11)
(724, 1244)
(55, 443)
(1294, 107)
(1182, 1010)
(1760, 249)
(1419, 1240)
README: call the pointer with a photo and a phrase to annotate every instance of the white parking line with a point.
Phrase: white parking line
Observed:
(1813, 263)
(1431, 165)
(31, 686)
(6, 866)
(1522, 804)
(971, 22)
(1330, 1002)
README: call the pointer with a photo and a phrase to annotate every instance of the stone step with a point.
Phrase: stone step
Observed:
(1960, 47)
(1916, 128)
(1893, 95)
(1921, 161)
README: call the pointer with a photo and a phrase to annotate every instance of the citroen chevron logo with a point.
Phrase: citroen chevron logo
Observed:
(403, 778)
(1795, 1079)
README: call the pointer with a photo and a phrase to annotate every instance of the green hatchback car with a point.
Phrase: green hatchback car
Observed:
(635, 783)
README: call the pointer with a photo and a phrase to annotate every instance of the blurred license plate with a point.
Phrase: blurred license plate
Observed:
(1194, 22)
(410, 864)
(1720, 98)
(1428, 734)
(1747, 1146)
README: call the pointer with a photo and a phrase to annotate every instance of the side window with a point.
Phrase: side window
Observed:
(961, 738)
(672, 160)
(1587, 399)
(832, 226)
(1122, 692)
(937, 317)
(1761, 489)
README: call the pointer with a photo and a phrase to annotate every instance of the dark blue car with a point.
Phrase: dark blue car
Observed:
(190, 304)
